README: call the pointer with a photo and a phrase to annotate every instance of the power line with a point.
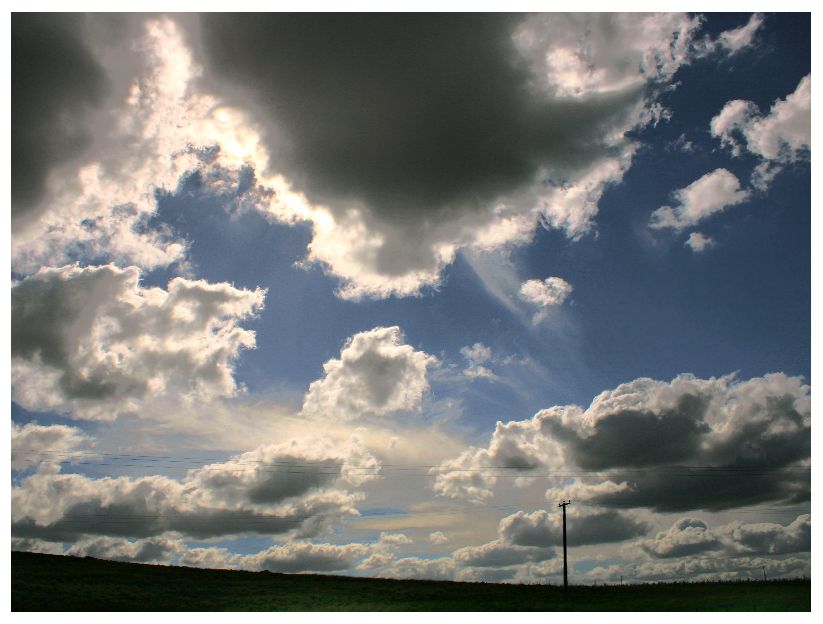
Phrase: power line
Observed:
(431, 469)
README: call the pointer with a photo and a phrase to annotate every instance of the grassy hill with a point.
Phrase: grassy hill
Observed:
(56, 583)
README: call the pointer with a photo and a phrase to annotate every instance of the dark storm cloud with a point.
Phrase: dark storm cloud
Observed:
(605, 527)
(752, 464)
(672, 460)
(681, 488)
(637, 438)
(231, 498)
(592, 527)
(692, 443)
(55, 81)
(414, 115)
(500, 554)
(133, 519)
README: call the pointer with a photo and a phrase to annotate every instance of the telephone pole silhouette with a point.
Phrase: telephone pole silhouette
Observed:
(565, 558)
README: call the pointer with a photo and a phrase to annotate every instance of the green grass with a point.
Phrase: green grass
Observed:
(56, 583)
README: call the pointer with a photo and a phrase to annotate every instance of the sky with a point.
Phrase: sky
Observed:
(372, 294)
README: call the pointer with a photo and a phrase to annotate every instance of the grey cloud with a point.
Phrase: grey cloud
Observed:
(691, 536)
(500, 554)
(681, 487)
(542, 529)
(94, 343)
(306, 557)
(139, 551)
(33, 444)
(237, 497)
(690, 443)
(685, 537)
(752, 464)
(133, 517)
(55, 82)
(699, 568)
(637, 438)
(768, 538)
(442, 568)
(19, 544)
(416, 116)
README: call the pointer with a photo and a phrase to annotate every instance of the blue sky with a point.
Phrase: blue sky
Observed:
(558, 270)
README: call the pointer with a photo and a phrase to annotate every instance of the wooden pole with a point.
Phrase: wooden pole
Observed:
(565, 557)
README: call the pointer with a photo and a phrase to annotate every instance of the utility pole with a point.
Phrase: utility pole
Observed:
(565, 558)
(764, 573)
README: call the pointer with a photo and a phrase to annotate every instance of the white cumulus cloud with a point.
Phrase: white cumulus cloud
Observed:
(93, 343)
(704, 197)
(545, 294)
(655, 444)
(296, 487)
(376, 375)
(699, 242)
(33, 444)
(780, 137)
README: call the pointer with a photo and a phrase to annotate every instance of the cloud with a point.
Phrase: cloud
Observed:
(92, 343)
(681, 144)
(476, 356)
(523, 540)
(781, 137)
(499, 554)
(154, 550)
(535, 110)
(394, 539)
(293, 557)
(684, 538)
(209, 558)
(294, 487)
(769, 538)
(541, 528)
(36, 546)
(704, 568)
(517, 446)
(56, 83)
(158, 132)
(34, 445)
(692, 443)
(374, 136)
(648, 47)
(305, 557)
(739, 38)
(376, 375)
(546, 294)
(690, 536)
(730, 42)
(704, 197)
(442, 568)
(698, 242)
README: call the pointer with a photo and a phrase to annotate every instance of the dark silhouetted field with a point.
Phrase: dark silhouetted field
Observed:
(55, 583)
